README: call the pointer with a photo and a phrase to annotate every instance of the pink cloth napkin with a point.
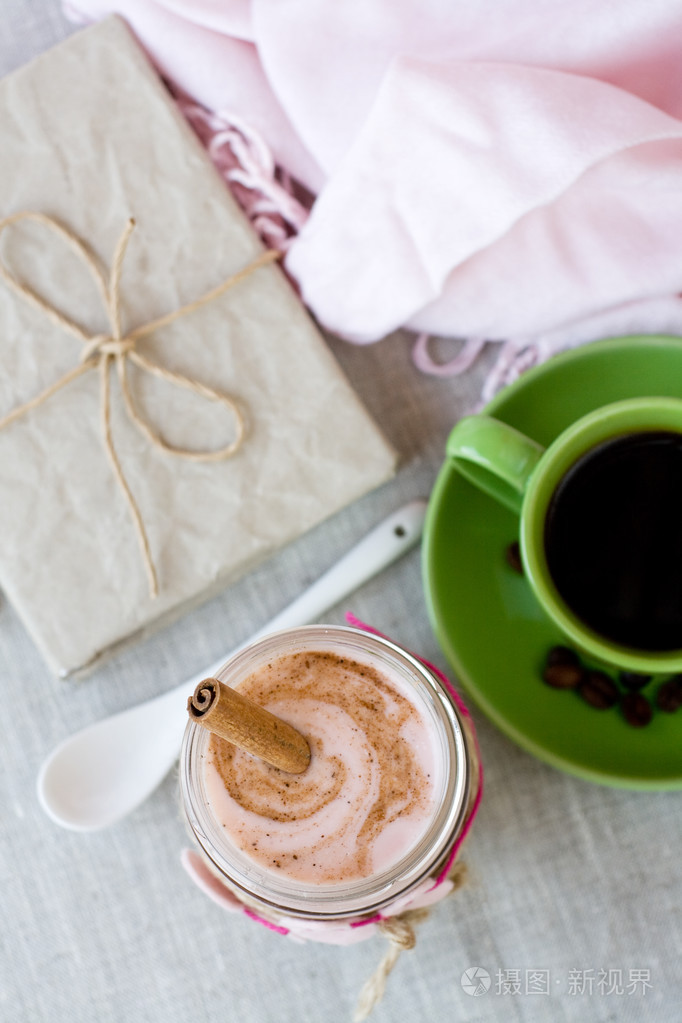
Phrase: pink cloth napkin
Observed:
(494, 176)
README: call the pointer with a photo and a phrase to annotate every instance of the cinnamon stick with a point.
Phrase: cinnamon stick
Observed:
(225, 712)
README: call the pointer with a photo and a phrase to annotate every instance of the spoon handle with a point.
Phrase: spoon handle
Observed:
(380, 548)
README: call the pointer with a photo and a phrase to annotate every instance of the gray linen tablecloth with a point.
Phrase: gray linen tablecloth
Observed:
(574, 901)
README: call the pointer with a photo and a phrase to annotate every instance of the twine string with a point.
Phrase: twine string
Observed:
(100, 350)
(400, 932)
(401, 937)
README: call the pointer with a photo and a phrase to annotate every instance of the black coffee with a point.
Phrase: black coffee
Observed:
(613, 540)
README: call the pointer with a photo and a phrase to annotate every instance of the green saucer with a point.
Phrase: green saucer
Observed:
(483, 613)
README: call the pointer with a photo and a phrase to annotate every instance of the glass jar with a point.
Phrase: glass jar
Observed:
(275, 895)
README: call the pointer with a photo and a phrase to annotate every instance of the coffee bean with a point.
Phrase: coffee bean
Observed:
(669, 696)
(632, 681)
(637, 710)
(563, 676)
(599, 690)
(563, 669)
(513, 556)
(562, 655)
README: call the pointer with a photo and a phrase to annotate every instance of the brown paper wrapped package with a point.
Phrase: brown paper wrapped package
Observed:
(90, 137)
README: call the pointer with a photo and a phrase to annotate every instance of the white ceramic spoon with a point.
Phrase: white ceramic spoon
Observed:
(97, 776)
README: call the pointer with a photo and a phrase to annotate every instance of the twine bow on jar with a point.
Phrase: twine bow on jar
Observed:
(100, 350)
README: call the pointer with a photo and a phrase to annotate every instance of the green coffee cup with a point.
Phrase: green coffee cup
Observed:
(532, 481)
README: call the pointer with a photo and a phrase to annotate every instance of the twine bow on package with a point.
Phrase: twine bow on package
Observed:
(169, 414)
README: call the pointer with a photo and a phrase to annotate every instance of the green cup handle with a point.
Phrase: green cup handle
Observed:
(494, 457)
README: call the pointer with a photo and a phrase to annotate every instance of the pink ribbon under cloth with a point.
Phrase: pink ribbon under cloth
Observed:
(491, 175)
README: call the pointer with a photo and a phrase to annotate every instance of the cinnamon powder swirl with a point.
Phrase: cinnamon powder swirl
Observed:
(369, 793)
